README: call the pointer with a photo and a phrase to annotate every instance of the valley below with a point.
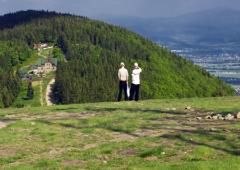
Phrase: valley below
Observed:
(221, 60)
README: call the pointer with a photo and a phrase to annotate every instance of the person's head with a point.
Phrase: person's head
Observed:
(136, 65)
(122, 64)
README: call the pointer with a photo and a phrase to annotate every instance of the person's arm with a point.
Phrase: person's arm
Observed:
(119, 75)
(140, 70)
(137, 71)
(127, 76)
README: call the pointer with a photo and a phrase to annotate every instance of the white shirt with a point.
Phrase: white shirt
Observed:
(136, 76)
(123, 74)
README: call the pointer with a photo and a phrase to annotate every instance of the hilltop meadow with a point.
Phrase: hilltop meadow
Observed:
(151, 134)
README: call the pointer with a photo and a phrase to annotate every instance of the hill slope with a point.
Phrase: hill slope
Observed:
(94, 50)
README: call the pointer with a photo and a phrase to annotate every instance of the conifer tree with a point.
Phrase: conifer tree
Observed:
(30, 91)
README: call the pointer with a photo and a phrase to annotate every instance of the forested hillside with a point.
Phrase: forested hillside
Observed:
(94, 50)
(11, 55)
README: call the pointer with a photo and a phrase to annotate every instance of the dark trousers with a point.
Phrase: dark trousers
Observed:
(134, 92)
(122, 87)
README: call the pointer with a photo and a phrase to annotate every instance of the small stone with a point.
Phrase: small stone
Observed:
(210, 113)
(229, 117)
(220, 117)
(188, 108)
(105, 162)
(163, 153)
(215, 117)
(208, 117)
(237, 115)
(199, 118)
(33, 123)
(174, 109)
(213, 129)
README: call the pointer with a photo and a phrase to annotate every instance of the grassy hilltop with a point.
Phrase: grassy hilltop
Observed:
(154, 134)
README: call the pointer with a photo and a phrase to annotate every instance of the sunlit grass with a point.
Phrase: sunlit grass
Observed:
(153, 134)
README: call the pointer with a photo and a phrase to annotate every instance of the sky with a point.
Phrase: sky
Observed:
(137, 8)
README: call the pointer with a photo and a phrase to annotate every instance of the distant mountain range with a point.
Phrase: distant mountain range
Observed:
(199, 28)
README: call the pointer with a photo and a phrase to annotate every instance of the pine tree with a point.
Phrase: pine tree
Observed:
(30, 91)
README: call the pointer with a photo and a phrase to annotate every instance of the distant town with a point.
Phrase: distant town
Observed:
(223, 63)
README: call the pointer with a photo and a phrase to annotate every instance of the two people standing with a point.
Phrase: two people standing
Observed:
(123, 82)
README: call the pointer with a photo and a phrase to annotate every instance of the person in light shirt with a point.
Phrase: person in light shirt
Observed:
(135, 86)
(123, 81)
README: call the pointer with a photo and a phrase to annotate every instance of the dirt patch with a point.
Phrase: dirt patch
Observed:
(72, 163)
(151, 158)
(90, 146)
(127, 152)
(149, 132)
(52, 116)
(7, 152)
(57, 151)
(4, 124)
(119, 137)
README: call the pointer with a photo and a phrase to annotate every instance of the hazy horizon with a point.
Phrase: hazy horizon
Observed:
(134, 8)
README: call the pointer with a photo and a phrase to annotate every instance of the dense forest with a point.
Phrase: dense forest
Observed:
(12, 54)
(93, 51)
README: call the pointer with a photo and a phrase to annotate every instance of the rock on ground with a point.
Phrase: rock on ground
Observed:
(237, 115)
(229, 117)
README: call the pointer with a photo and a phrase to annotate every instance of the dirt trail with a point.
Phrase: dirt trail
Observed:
(49, 92)
(3, 124)
(41, 92)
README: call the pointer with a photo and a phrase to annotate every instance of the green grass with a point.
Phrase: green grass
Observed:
(31, 61)
(21, 99)
(127, 135)
(46, 52)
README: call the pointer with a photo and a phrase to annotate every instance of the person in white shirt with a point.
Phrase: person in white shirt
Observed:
(123, 81)
(134, 92)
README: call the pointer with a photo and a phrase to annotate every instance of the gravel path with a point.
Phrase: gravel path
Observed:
(49, 92)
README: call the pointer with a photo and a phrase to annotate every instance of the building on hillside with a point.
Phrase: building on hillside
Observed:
(44, 66)
(41, 46)
(47, 64)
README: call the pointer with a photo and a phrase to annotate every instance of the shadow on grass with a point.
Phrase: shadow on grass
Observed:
(136, 110)
(65, 109)
(232, 151)
(213, 138)
(85, 125)
(206, 137)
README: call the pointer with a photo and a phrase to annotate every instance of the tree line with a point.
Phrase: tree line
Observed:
(12, 54)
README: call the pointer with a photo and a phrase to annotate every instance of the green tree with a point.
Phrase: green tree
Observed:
(30, 91)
